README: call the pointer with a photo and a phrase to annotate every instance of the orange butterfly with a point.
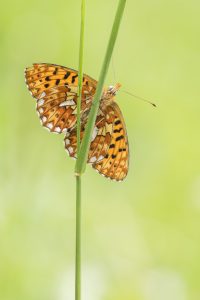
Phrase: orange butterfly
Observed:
(55, 89)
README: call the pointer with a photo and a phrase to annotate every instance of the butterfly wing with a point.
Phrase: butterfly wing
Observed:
(115, 164)
(55, 89)
(109, 153)
(101, 137)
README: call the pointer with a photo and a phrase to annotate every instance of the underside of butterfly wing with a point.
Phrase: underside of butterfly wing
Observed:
(100, 140)
(55, 89)
(108, 153)
(115, 163)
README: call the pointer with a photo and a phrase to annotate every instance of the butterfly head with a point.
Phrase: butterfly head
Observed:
(110, 93)
(112, 89)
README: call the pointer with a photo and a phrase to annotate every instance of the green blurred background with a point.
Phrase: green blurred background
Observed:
(141, 237)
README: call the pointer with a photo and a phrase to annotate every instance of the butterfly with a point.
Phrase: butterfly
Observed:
(55, 89)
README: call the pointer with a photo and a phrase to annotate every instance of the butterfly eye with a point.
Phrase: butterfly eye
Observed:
(110, 88)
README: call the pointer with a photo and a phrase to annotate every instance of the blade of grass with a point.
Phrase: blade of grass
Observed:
(78, 240)
(78, 178)
(80, 73)
(84, 148)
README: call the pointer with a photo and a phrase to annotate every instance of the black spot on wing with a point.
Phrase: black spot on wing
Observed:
(55, 71)
(117, 122)
(119, 138)
(118, 130)
(112, 146)
(122, 149)
(66, 75)
(74, 78)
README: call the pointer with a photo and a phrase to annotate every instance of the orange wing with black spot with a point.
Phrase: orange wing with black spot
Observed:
(109, 152)
(116, 161)
(55, 89)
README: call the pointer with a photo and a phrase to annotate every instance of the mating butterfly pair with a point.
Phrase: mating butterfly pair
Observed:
(55, 89)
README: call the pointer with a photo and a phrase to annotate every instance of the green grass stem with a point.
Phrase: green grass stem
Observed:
(78, 177)
(84, 148)
(80, 73)
(78, 240)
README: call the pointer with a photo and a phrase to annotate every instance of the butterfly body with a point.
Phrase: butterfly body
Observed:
(55, 89)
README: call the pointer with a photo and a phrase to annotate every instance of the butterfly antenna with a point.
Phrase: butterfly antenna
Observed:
(113, 68)
(140, 98)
